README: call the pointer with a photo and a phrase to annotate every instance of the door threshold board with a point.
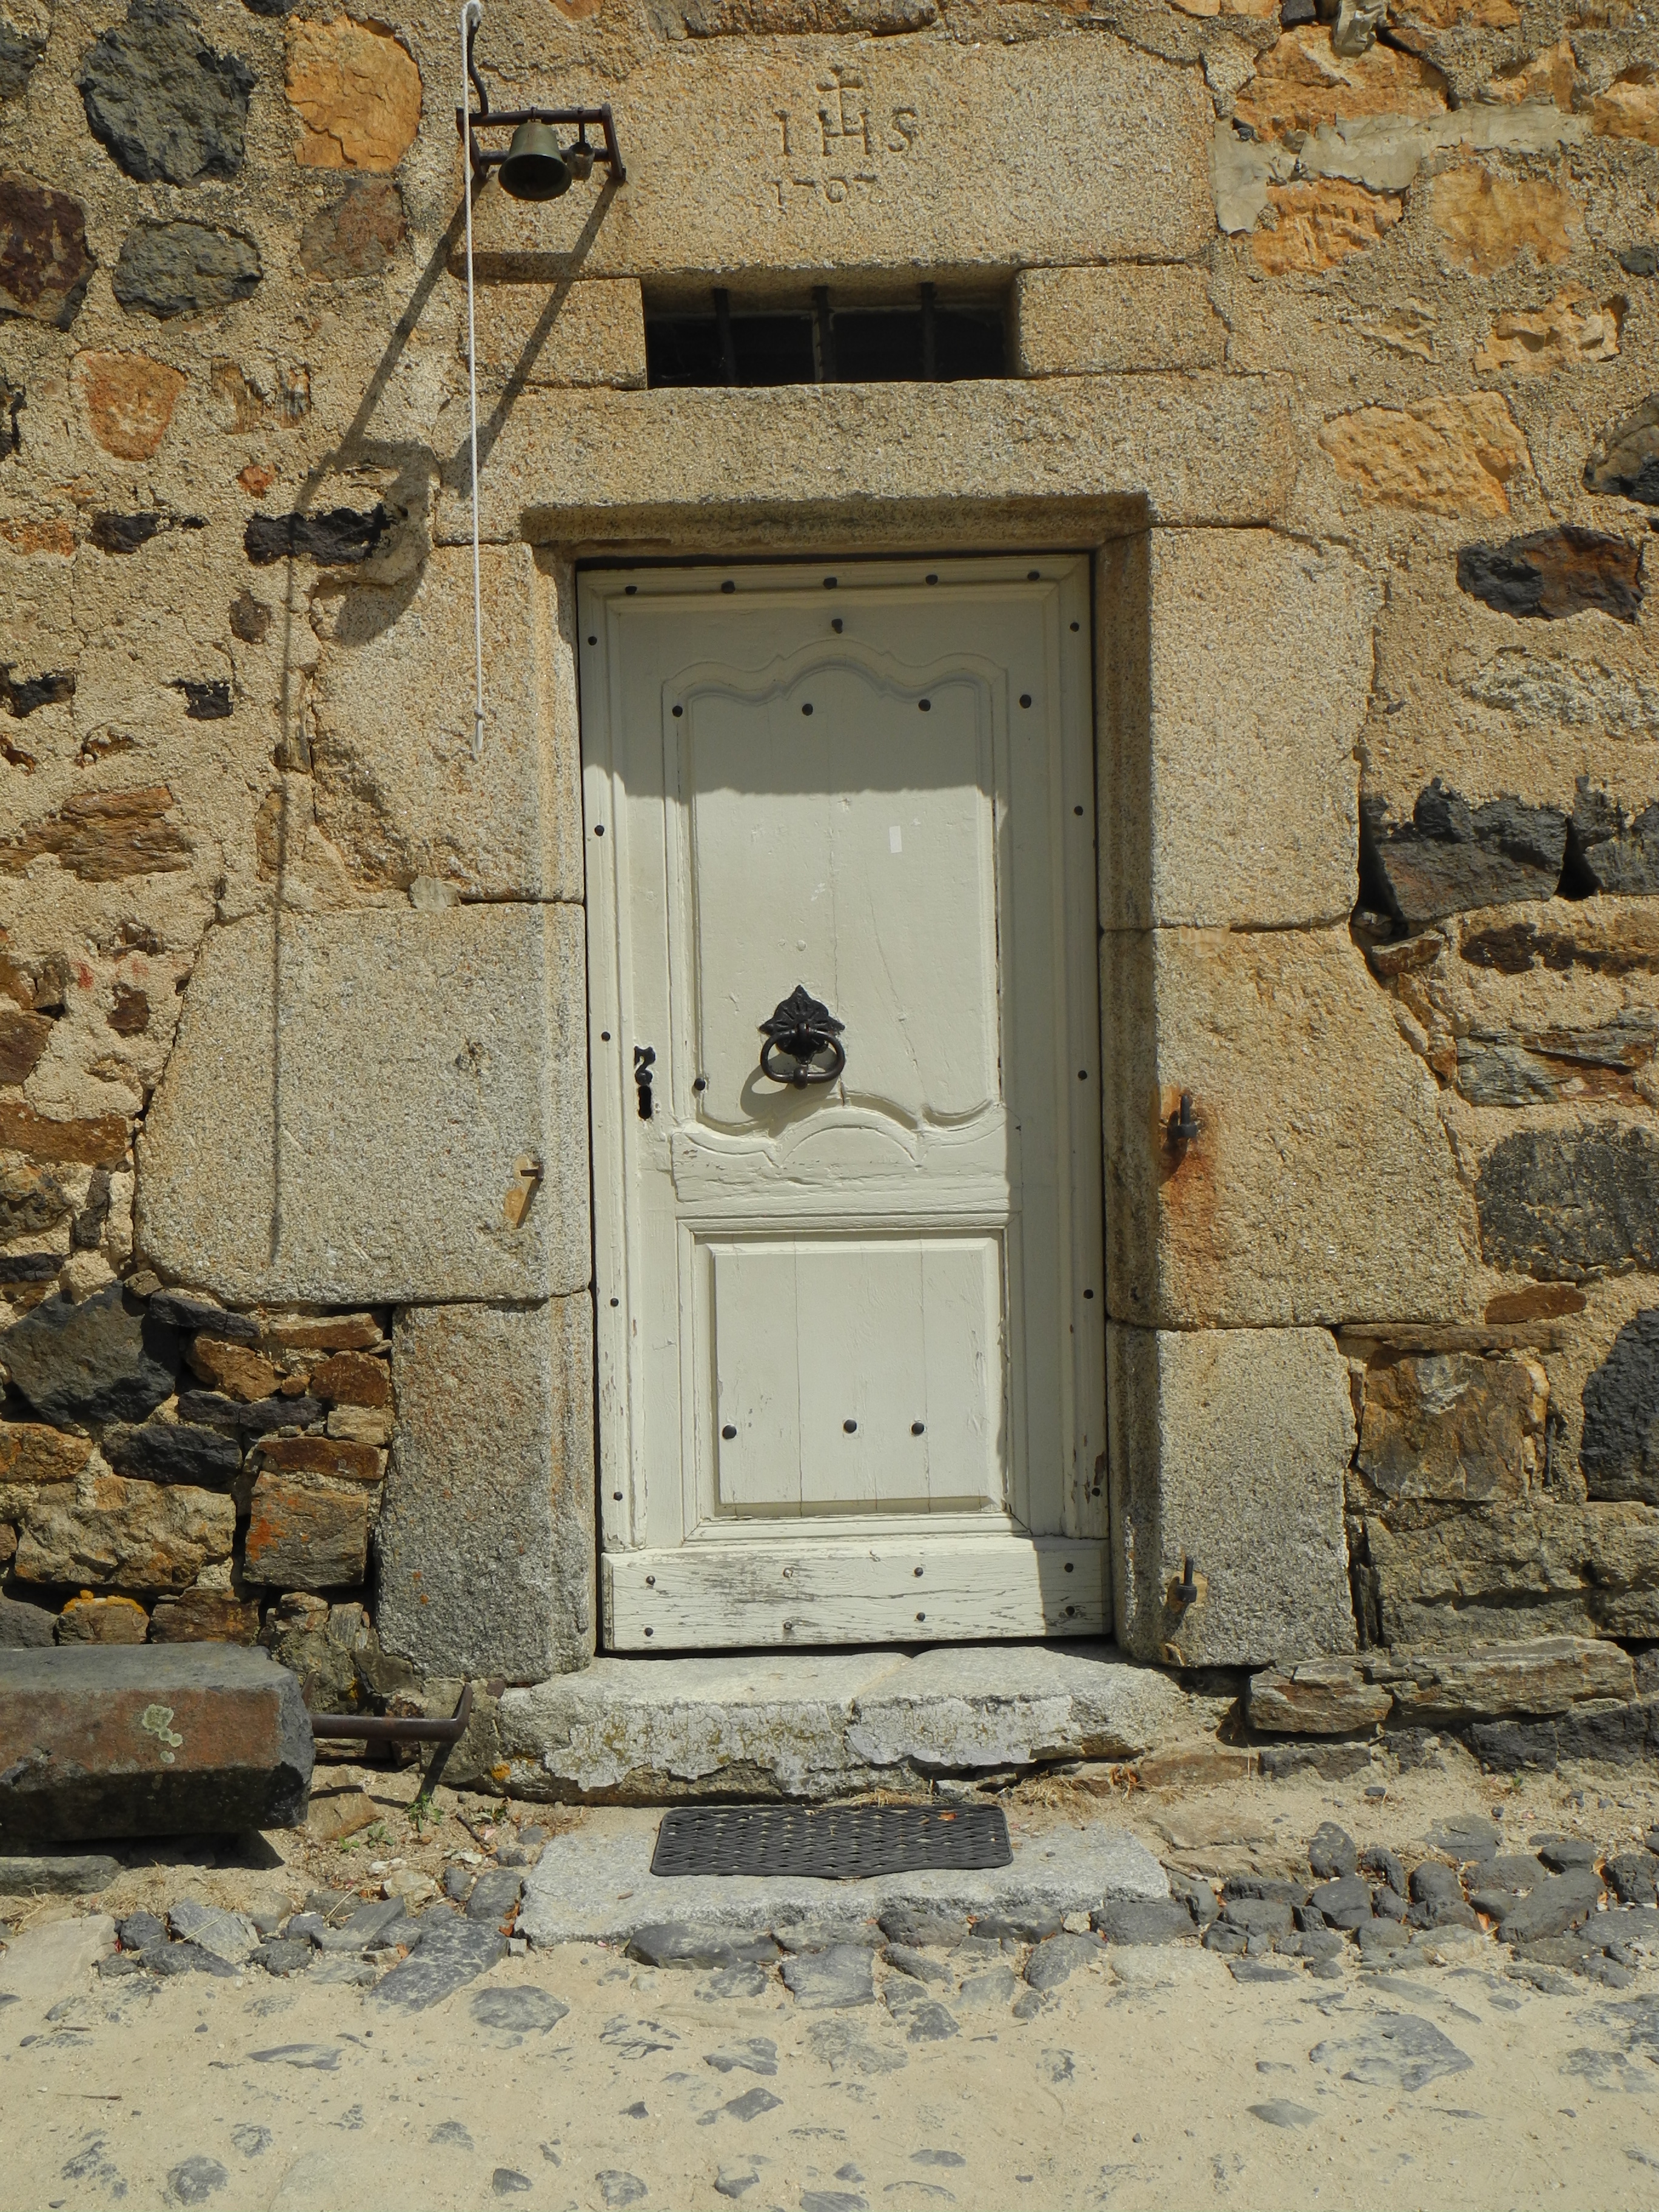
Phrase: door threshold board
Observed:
(919, 1589)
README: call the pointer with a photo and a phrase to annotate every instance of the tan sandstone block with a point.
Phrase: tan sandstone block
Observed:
(1489, 222)
(1228, 1448)
(1451, 456)
(355, 93)
(1453, 1427)
(576, 334)
(1302, 82)
(1629, 109)
(823, 153)
(420, 1055)
(398, 790)
(1531, 1569)
(1322, 1185)
(89, 1619)
(235, 1369)
(1237, 664)
(129, 401)
(1319, 224)
(307, 1534)
(1094, 322)
(1319, 1697)
(31, 1452)
(695, 467)
(1555, 337)
(135, 1535)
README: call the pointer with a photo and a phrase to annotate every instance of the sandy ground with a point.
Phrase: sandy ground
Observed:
(573, 2078)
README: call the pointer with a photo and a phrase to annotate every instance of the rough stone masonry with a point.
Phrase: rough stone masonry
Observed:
(1334, 330)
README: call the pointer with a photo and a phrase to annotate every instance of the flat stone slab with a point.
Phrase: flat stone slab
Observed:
(823, 1724)
(148, 1740)
(596, 1885)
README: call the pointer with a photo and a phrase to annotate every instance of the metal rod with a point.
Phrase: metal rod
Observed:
(372, 1728)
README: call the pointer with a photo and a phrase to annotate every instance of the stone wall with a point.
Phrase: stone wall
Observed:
(1342, 347)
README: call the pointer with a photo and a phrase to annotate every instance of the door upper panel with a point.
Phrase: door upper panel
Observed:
(841, 819)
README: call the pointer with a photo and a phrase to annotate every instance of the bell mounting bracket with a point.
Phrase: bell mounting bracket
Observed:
(482, 159)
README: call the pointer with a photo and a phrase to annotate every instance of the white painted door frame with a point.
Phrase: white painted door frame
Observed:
(683, 1565)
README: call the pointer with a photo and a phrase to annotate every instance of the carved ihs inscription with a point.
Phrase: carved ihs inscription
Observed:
(839, 145)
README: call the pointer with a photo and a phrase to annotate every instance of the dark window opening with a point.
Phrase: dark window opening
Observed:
(925, 341)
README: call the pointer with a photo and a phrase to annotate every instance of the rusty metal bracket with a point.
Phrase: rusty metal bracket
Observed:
(482, 160)
(375, 1727)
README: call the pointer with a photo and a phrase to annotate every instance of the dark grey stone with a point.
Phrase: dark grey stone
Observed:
(166, 107)
(920, 1965)
(30, 1266)
(1222, 1936)
(517, 2012)
(918, 1930)
(116, 1965)
(1556, 1852)
(19, 54)
(1451, 856)
(1163, 1920)
(1632, 1876)
(673, 1943)
(339, 537)
(213, 1409)
(450, 2135)
(1379, 1862)
(1281, 2112)
(1397, 2052)
(1259, 1915)
(451, 1951)
(1386, 1904)
(1620, 1454)
(495, 1896)
(1258, 1970)
(1568, 1204)
(1380, 1938)
(751, 2104)
(196, 2180)
(139, 1930)
(1331, 1851)
(194, 1316)
(1334, 1762)
(1026, 1925)
(169, 269)
(45, 267)
(281, 1957)
(165, 1958)
(1549, 574)
(1445, 1912)
(57, 1874)
(104, 1359)
(758, 2055)
(125, 533)
(250, 2139)
(173, 1451)
(929, 2023)
(366, 1928)
(730, 2182)
(619, 2189)
(1611, 850)
(728, 1985)
(1434, 1883)
(1313, 1943)
(1268, 1885)
(507, 2181)
(1639, 260)
(1058, 1958)
(831, 1980)
(311, 2057)
(458, 1883)
(1560, 1902)
(1195, 1894)
(25, 1627)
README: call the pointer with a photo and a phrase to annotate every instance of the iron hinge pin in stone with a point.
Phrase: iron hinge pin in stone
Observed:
(1184, 1122)
(1186, 1590)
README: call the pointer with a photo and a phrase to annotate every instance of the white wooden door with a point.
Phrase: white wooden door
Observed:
(850, 1332)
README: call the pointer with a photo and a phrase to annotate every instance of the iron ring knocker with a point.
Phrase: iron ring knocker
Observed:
(802, 1028)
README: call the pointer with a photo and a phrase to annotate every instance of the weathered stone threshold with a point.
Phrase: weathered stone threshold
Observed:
(820, 1725)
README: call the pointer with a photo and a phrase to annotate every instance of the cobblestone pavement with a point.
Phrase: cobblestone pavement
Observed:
(215, 2061)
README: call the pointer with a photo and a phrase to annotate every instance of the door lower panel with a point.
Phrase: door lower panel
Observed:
(967, 1589)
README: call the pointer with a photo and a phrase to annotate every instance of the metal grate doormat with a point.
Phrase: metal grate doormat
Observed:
(835, 1843)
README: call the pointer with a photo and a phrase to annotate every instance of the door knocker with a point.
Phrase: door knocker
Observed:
(803, 1030)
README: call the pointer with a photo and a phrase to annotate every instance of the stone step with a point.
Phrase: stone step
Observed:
(148, 1740)
(823, 1724)
(595, 1885)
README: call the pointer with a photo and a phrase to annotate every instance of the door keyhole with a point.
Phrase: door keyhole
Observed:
(644, 1060)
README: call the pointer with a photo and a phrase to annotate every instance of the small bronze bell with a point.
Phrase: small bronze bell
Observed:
(535, 168)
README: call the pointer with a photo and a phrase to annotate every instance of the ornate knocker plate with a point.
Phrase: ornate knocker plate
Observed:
(802, 1028)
